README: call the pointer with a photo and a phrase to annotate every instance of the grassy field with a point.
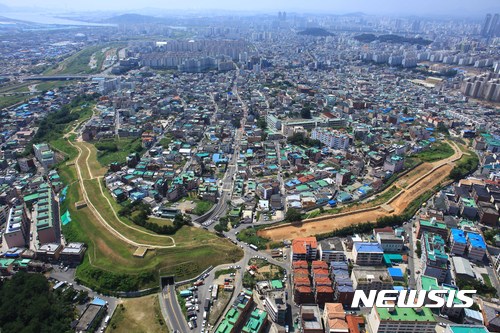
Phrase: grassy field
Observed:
(15, 87)
(138, 315)
(50, 85)
(78, 63)
(6, 101)
(60, 144)
(250, 236)
(226, 271)
(165, 141)
(468, 163)
(117, 150)
(202, 207)
(437, 151)
(382, 198)
(160, 221)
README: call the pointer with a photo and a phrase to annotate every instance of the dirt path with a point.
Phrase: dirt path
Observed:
(416, 185)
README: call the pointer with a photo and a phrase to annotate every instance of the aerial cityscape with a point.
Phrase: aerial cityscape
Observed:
(276, 167)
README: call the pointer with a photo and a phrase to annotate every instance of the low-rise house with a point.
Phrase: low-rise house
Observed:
(367, 253)
(476, 246)
(371, 278)
(334, 318)
(434, 258)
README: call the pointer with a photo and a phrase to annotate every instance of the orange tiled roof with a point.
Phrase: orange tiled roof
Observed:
(337, 324)
(299, 244)
(354, 322)
(323, 281)
(319, 264)
(300, 281)
(303, 289)
(299, 264)
(300, 271)
(321, 271)
(324, 289)
(335, 310)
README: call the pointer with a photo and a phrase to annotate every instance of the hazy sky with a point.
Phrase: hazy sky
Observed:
(463, 7)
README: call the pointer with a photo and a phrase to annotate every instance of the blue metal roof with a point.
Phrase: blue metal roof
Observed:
(368, 247)
(395, 272)
(98, 301)
(458, 236)
(476, 240)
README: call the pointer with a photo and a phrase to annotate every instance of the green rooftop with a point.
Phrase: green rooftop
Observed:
(433, 223)
(4, 263)
(429, 283)
(469, 202)
(228, 322)
(44, 208)
(406, 314)
(434, 246)
(468, 329)
(276, 284)
(255, 322)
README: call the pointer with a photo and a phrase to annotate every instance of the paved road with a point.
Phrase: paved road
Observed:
(175, 316)
(412, 283)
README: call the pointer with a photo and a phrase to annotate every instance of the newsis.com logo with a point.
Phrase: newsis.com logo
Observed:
(413, 298)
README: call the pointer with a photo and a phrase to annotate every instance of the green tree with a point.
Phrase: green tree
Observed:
(418, 250)
(306, 113)
(27, 304)
(261, 123)
(293, 215)
(219, 228)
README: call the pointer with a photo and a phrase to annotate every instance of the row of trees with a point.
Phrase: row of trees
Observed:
(473, 284)
(465, 167)
(106, 281)
(299, 139)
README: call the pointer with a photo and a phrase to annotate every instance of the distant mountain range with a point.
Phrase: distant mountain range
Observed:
(135, 19)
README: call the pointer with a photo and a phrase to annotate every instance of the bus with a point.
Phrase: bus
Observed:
(106, 320)
(253, 247)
